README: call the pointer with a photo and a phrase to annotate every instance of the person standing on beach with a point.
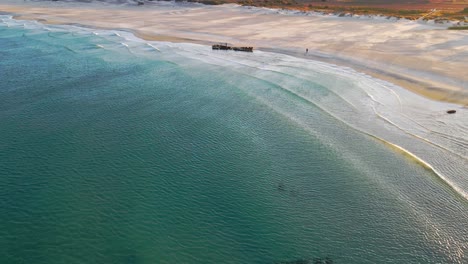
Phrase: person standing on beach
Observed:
(307, 50)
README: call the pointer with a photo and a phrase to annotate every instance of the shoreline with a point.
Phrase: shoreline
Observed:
(102, 118)
(408, 83)
(331, 60)
(368, 61)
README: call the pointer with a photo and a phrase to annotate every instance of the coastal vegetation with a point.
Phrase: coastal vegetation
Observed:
(458, 28)
(418, 10)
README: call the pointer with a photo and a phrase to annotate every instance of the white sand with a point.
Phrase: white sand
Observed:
(425, 58)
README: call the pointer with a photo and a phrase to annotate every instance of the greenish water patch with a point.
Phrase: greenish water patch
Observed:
(112, 157)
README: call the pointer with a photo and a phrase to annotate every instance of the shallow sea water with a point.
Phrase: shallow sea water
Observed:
(114, 150)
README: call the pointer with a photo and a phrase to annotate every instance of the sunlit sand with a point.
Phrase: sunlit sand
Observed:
(425, 58)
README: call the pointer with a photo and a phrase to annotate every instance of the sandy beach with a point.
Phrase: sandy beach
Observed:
(420, 56)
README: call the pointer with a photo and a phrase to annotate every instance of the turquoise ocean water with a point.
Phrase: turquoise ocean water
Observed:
(114, 150)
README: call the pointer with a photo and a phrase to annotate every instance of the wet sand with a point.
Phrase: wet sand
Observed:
(424, 58)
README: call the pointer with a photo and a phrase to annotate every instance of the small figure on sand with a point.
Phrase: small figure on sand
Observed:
(307, 50)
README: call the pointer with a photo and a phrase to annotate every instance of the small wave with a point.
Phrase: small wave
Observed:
(155, 48)
(425, 165)
(57, 34)
(69, 49)
(127, 47)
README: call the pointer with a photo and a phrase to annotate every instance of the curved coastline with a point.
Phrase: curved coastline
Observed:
(394, 145)
(435, 75)
(381, 190)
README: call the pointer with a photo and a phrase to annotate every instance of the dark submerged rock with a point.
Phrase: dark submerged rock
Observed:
(281, 187)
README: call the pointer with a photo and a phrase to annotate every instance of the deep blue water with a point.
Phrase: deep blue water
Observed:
(113, 153)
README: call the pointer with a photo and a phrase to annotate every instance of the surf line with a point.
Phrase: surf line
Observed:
(424, 164)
